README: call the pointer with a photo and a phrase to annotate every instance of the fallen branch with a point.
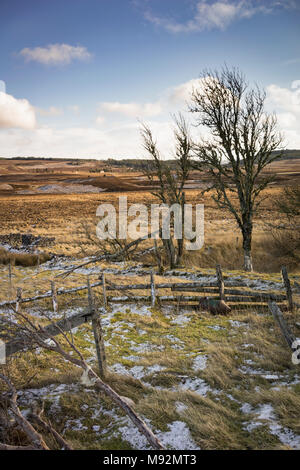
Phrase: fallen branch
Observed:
(37, 335)
(37, 442)
(108, 256)
(49, 428)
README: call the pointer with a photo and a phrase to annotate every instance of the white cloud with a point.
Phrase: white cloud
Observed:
(74, 108)
(100, 120)
(2, 86)
(218, 14)
(295, 84)
(55, 54)
(16, 112)
(116, 130)
(286, 103)
(171, 100)
(52, 111)
(120, 141)
(181, 94)
(132, 109)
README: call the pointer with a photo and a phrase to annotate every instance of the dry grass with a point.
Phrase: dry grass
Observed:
(22, 259)
(215, 421)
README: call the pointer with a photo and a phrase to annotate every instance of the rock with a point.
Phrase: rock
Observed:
(128, 401)
(216, 307)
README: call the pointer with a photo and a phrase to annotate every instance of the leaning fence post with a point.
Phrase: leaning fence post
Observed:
(277, 314)
(288, 288)
(10, 277)
(153, 293)
(104, 291)
(19, 298)
(220, 282)
(38, 260)
(54, 297)
(97, 330)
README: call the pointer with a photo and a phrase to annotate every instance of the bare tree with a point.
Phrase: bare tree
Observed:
(89, 244)
(170, 181)
(243, 138)
(286, 232)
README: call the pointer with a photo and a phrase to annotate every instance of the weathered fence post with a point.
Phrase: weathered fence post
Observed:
(97, 330)
(19, 298)
(153, 293)
(220, 282)
(10, 278)
(278, 316)
(104, 292)
(288, 288)
(54, 297)
(38, 260)
(158, 257)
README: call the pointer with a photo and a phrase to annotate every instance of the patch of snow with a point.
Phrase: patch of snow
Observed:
(246, 408)
(133, 308)
(196, 385)
(180, 407)
(237, 324)
(144, 347)
(132, 358)
(271, 376)
(265, 413)
(180, 320)
(200, 362)
(155, 368)
(75, 425)
(67, 189)
(178, 437)
(138, 372)
(216, 327)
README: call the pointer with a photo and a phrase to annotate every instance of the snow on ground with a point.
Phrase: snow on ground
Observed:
(199, 362)
(181, 320)
(238, 324)
(248, 370)
(178, 436)
(134, 308)
(195, 384)
(265, 415)
(64, 189)
(138, 372)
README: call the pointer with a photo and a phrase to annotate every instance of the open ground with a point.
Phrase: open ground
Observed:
(199, 381)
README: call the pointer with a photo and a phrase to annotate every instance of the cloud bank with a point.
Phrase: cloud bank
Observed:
(286, 103)
(16, 113)
(218, 14)
(55, 54)
(115, 131)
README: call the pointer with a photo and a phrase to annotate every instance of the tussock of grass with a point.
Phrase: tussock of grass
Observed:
(22, 259)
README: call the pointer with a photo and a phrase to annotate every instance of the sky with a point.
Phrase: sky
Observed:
(77, 77)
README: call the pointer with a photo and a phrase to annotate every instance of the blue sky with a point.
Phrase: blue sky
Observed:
(89, 69)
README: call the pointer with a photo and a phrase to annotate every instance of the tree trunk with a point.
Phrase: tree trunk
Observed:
(180, 241)
(247, 240)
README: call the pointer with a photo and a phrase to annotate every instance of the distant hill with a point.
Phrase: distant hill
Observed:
(289, 154)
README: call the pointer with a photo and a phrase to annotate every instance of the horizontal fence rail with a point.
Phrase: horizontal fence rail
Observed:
(231, 291)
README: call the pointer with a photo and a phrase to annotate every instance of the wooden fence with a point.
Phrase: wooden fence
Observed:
(219, 289)
(237, 293)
